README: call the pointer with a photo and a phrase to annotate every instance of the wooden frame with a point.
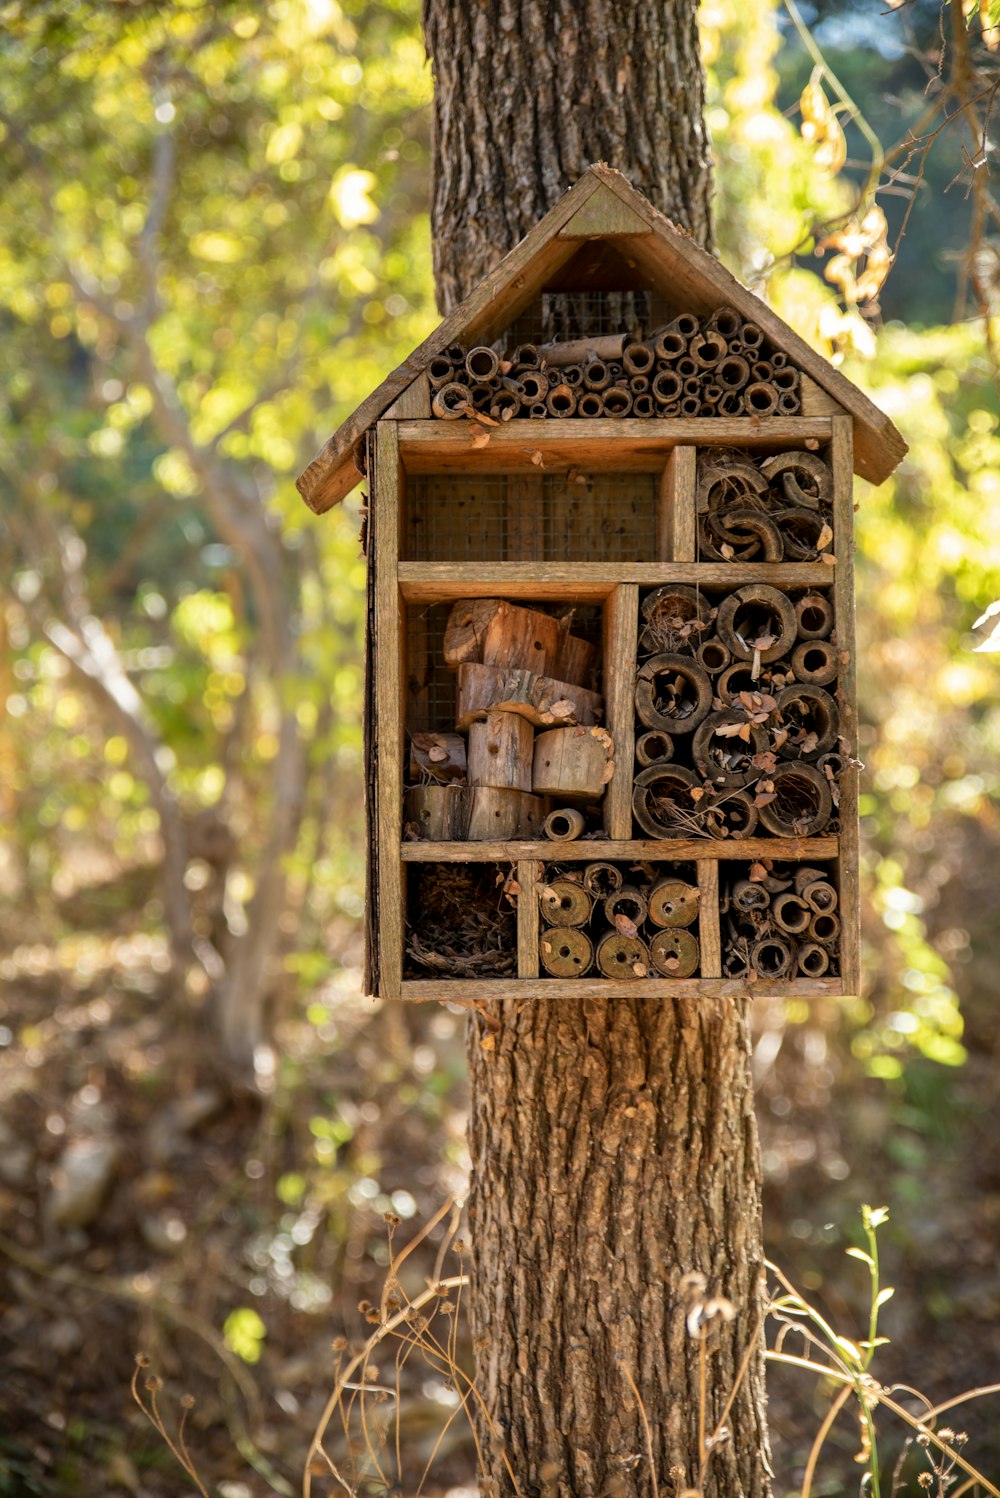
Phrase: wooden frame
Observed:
(407, 446)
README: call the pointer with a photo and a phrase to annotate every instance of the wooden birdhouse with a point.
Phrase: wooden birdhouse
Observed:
(611, 726)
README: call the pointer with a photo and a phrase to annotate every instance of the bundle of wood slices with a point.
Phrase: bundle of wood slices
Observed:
(526, 699)
(738, 723)
(463, 922)
(779, 921)
(592, 917)
(720, 365)
(777, 509)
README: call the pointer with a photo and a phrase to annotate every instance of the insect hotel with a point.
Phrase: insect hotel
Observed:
(611, 726)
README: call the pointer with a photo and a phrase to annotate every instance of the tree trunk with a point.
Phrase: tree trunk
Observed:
(528, 93)
(614, 1145)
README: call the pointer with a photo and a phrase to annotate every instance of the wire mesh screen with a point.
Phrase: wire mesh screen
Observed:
(598, 517)
(558, 315)
(430, 685)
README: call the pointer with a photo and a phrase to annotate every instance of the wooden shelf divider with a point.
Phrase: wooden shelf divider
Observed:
(590, 582)
(677, 530)
(621, 627)
(422, 990)
(389, 713)
(842, 463)
(639, 850)
(529, 872)
(709, 934)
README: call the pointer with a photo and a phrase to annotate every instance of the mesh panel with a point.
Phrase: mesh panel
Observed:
(600, 517)
(558, 315)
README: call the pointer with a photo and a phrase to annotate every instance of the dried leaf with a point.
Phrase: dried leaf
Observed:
(546, 894)
(563, 708)
(808, 744)
(758, 873)
(745, 731)
(546, 946)
(780, 737)
(537, 459)
(726, 551)
(828, 559)
(696, 793)
(640, 969)
(763, 798)
(824, 538)
(764, 642)
(437, 754)
(608, 772)
(671, 962)
(730, 730)
(625, 926)
(764, 761)
(512, 888)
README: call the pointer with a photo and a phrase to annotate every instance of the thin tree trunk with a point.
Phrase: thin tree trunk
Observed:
(614, 1145)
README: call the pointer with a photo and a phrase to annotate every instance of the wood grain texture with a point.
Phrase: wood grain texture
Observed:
(637, 849)
(604, 215)
(621, 625)
(619, 444)
(422, 991)
(847, 699)
(708, 918)
(529, 872)
(413, 403)
(677, 499)
(388, 710)
(591, 582)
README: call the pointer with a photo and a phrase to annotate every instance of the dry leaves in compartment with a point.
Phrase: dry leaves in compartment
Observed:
(463, 921)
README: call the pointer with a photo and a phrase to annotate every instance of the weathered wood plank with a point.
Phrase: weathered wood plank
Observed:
(529, 872)
(388, 710)
(677, 530)
(423, 991)
(621, 623)
(622, 445)
(590, 582)
(603, 214)
(637, 849)
(709, 936)
(413, 403)
(842, 464)
(816, 402)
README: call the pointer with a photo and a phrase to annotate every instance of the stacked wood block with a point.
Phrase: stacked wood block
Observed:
(720, 365)
(779, 921)
(738, 730)
(774, 509)
(518, 670)
(623, 921)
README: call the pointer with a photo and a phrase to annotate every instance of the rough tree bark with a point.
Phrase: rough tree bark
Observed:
(614, 1144)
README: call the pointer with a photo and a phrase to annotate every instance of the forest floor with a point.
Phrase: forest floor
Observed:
(230, 1237)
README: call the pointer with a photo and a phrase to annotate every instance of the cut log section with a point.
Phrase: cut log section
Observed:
(437, 756)
(623, 957)
(498, 633)
(672, 693)
(541, 699)
(673, 903)
(565, 903)
(500, 751)
(437, 813)
(573, 762)
(675, 952)
(565, 951)
(496, 814)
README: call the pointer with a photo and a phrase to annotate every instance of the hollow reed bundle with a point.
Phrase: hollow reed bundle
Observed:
(625, 921)
(738, 722)
(719, 365)
(779, 921)
(776, 509)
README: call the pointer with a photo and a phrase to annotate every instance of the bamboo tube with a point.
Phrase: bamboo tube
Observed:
(525, 356)
(563, 825)
(736, 678)
(672, 692)
(747, 895)
(667, 386)
(673, 903)
(538, 408)
(751, 336)
(644, 405)
(813, 960)
(654, 747)
(690, 406)
(456, 353)
(565, 952)
(780, 359)
(815, 662)
(733, 815)
(804, 876)
(711, 394)
(571, 374)
(638, 358)
(825, 927)
(727, 760)
(602, 879)
(814, 616)
(481, 395)
(639, 384)
(596, 375)
(746, 532)
(580, 350)
(760, 399)
(785, 378)
(763, 370)
(505, 405)
(482, 363)
(756, 612)
(789, 403)
(590, 404)
(440, 371)
(802, 803)
(732, 372)
(831, 765)
(730, 404)
(437, 813)
(686, 367)
(533, 385)
(617, 402)
(621, 956)
(771, 957)
(727, 321)
(669, 344)
(565, 903)
(804, 478)
(790, 914)
(662, 803)
(451, 401)
(675, 953)
(500, 750)
(708, 348)
(712, 656)
(560, 401)
(820, 896)
(628, 901)
(497, 814)
(813, 709)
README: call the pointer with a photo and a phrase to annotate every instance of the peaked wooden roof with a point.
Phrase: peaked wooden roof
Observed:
(602, 206)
